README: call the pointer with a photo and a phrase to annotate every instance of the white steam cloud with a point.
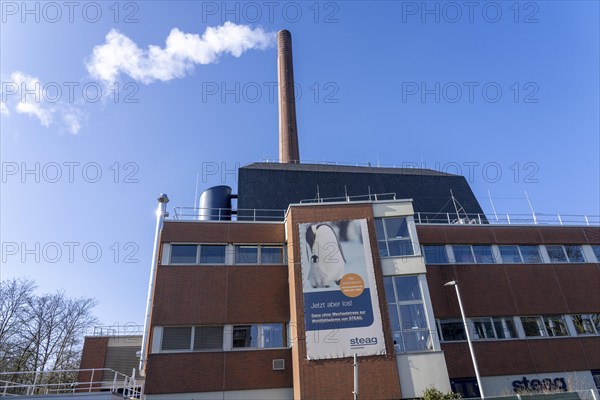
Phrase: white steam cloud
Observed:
(182, 51)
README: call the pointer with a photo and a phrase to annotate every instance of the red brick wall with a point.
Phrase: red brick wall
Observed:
(222, 294)
(333, 379)
(516, 289)
(208, 372)
(512, 357)
(93, 356)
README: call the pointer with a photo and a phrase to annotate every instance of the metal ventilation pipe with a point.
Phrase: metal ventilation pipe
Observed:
(161, 213)
(288, 130)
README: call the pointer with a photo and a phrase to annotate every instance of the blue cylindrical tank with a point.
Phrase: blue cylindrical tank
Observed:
(215, 204)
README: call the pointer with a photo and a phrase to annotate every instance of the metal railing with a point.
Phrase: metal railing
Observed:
(508, 219)
(226, 214)
(365, 197)
(125, 330)
(29, 383)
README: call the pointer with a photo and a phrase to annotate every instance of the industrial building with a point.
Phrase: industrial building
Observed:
(319, 264)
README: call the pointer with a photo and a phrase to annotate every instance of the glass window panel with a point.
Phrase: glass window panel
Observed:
(596, 322)
(596, 250)
(212, 254)
(484, 255)
(452, 331)
(271, 255)
(583, 324)
(505, 328)
(435, 254)
(407, 288)
(379, 229)
(462, 254)
(208, 338)
(532, 326)
(396, 228)
(246, 254)
(272, 335)
(574, 254)
(531, 254)
(383, 252)
(389, 289)
(398, 343)
(413, 316)
(177, 338)
(556, 253)
(394, 320)
(183, 253)
(510, 254)
(245, 336)
(400, 248)
(483, 329)
(555, 326)
(418, 340)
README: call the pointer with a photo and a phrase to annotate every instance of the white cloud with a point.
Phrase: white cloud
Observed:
(31, 100)
(4, 109)
(182, 51)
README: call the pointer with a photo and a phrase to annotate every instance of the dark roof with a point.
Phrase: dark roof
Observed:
(345, 168)
(276, 186)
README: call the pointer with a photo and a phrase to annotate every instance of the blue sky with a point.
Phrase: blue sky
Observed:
(504, 93)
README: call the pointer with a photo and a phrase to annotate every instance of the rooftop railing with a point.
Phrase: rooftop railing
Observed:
(508, 219)
(461, 218)
(129, 329)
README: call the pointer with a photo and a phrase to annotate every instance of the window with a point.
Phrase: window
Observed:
(271, 254)
(212, 254)
(483, 329)
(596, 376)
(596, 250)
(505, 328)
(188, 254)
(176, 338)
(435, 254)
(410, 331)
(556, 254)
(586, 324)
(183, 253)
(510, 254)
(452, 330)
(262, 336)
(466, 387)
(530, 254)
(484, 255)
(254, 254)
(186, 338)
(393, 237)
(208, 338)
(574, 254)
(245, 336)
(246, 254)
(463, 254)
(555, 325)
(533, 326)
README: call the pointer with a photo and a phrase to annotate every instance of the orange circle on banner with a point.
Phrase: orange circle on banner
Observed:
(352, 285)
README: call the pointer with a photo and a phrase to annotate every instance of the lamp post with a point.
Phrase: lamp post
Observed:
(462, 313)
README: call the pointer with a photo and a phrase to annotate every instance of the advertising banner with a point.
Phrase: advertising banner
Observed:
(341, 309)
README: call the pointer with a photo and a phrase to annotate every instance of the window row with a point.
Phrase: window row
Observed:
(520, 327)
(222, 337)
(224, 254)
(509, 254)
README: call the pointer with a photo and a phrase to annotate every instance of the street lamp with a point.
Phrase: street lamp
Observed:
(462, 313)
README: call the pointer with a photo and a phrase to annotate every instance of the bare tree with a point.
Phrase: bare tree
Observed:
(41, 332)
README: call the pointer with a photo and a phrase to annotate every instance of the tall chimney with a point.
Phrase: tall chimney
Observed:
(288, 131)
